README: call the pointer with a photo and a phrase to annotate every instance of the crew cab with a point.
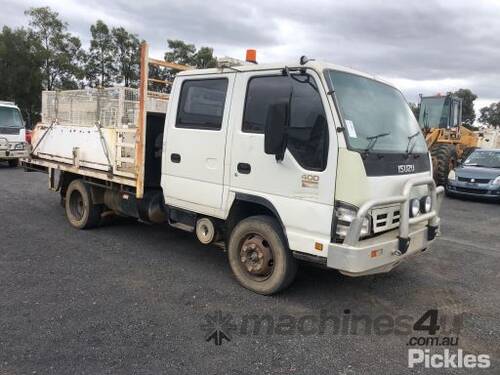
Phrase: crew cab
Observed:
(275, 163)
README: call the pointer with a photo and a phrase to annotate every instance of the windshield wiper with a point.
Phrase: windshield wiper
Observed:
(408, 148)
(373, 140)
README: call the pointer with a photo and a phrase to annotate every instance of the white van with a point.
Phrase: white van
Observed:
(12, 134)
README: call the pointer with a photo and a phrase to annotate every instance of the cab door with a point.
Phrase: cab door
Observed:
(195, 142)
(301, 186)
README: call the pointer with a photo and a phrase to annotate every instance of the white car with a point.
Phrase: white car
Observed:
(12, 134)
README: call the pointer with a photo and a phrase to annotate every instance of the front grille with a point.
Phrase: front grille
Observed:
(9, 131)
(476, 180)
(469, 190)
(385, 218)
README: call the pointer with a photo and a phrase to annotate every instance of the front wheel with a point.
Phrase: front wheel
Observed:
(81, 211)
(259, 257)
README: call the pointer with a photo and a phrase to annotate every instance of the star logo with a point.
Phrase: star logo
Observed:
(218, 327)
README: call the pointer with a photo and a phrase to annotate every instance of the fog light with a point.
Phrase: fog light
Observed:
(414, 207)
(426, 204)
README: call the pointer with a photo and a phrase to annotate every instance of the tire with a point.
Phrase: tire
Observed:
(467, 152)
(275, 269)
(81, 212)
(444, 159)
(13, 163)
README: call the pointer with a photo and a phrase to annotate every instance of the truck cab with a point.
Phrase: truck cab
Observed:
(332, 157)
(13, 144)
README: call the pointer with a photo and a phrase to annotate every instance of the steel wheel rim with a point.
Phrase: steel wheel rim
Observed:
(76, 205)
(256, 257)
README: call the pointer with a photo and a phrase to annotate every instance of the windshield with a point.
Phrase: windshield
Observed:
(434, 112)
(10, 118)
(488, 159)
(377, 116)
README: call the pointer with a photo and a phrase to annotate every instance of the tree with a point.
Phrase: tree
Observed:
(127, 56)
(20, 71)
(100, 67)
(60, 51)
(204, 58)
(180, 52)
(490, 115)
(468, 97)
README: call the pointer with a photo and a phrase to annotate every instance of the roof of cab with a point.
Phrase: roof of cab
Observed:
(318, 66)
(4, 103)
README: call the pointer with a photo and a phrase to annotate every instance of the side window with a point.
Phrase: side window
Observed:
(262, 93)
(201, 104)
(308, 129)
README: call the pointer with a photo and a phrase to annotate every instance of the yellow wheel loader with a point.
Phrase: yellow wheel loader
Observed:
(449, 140)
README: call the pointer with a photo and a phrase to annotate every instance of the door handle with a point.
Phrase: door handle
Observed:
(176, 158)
(244, 168)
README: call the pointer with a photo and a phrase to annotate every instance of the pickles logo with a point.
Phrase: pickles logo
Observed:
(406, 168)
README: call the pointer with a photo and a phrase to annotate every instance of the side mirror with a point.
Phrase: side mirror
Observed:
(275, 133)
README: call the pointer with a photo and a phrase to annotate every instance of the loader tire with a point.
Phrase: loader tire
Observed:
(81, 211)
(444, 159)
(259, 257)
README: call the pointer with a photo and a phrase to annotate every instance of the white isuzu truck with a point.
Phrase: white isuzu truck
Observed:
(13, 144)
(276, 163)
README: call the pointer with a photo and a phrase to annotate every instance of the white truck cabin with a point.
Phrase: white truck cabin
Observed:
(13, 144)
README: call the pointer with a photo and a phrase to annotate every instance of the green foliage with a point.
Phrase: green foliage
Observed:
(60, 51)
(20, 69)
(490, 115)
(180, 52)
(468, 97)
(204, 58)
(186, 54)
(127, 56)
(100, 67)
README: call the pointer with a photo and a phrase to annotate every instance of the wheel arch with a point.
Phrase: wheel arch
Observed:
(246, 205)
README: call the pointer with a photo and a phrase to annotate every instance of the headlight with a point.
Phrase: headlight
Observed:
(19, 146)
(496, 181)
(426, 204)
(414, 207)
(451, 175)
(345, 215)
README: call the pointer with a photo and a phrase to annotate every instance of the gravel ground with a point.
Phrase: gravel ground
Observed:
(134, 298)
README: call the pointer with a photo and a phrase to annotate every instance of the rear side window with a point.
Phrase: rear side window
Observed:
(307, 129)
(201, 104)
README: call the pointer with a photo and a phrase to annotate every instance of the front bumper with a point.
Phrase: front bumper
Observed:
(473, 190)
(382, 253)
(13, 154)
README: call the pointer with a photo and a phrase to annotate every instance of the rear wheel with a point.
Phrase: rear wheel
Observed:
(13, 163)
(259, 257)
(444, 159)
(81, 211)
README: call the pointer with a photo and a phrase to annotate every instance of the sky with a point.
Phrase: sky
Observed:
(425, 46)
